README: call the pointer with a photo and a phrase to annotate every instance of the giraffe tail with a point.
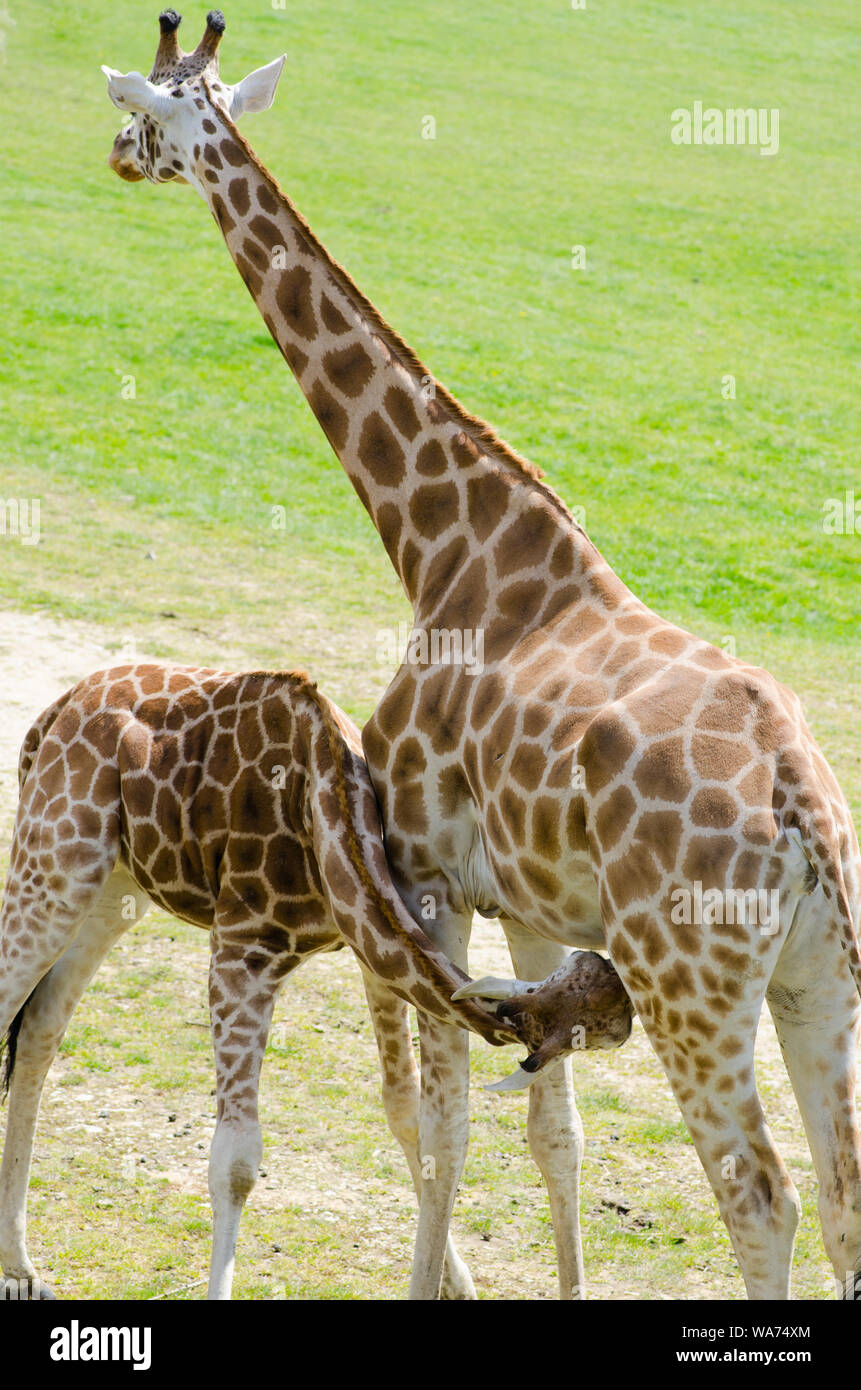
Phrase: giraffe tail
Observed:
(29, 752)
(820, 841)
(35, 735)
(9, 1049)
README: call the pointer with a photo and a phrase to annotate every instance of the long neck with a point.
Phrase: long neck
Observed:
(444, 493)
(343, 817)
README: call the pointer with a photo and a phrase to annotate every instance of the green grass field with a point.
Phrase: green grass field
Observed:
(552, 131)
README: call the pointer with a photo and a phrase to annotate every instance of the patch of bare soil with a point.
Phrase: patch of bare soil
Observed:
(39, 659)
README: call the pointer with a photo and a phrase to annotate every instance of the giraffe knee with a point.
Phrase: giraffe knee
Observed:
(442, 1154)
(34, 1038)
(232, 1182)
(234, 1162)
(404, 1127)
(774, 1201)
(791, 1209)
(554, 1130)
(561, 1145)
(766, 1206)
(242, 1178)
(401, 1104)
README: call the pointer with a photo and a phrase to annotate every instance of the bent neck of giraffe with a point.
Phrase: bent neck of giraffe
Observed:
(343, 819)
(438, 484)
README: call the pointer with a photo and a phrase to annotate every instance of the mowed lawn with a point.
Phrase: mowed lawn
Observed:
(552, 132)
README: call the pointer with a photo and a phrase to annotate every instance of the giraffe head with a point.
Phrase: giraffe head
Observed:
(174, 110)
(582, 1005)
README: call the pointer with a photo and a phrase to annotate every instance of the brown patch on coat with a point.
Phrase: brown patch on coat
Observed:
(349, 369)
(434, 507)
(332, 317)
(380, 453)
(661, 774)
(295, 301)
(331, 415)
(402, 412)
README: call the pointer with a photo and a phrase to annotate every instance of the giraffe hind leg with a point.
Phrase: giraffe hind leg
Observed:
(55, 880)
(709, 1061)
(242, 995)
(817, 1015)
(38, 1029)
(443, 1119)
(755, 1195)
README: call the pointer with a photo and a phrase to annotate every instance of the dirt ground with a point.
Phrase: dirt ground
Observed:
(39, 658)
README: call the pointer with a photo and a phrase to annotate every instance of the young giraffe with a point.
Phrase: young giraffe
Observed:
(599, 763)
(242, 804)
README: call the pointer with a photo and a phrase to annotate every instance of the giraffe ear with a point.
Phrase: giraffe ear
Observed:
(491, 989)
(132, 92)
(256, 92)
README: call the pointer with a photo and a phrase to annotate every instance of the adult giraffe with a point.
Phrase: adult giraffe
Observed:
(599, 764)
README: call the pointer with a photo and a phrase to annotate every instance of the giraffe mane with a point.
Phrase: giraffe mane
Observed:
(478, 430)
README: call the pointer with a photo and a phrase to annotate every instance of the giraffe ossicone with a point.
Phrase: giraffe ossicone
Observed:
(601, 760)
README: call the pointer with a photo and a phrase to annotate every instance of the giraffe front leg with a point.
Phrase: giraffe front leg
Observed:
(554, 1127)
(241, 999)
(443, 1137)
(443, 1125)
(401, 1098)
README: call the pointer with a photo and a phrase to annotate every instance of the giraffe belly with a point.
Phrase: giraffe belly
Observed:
(573, 917)
(536, 857)
(191, 901)
(556, 900)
